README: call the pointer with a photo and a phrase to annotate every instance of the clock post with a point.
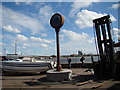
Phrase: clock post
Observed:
(59, 67)
(58, 74)
(57, 22)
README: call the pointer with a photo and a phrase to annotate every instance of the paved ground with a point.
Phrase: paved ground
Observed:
(81, 79)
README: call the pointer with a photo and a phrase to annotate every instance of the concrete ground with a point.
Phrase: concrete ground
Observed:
(82, 78)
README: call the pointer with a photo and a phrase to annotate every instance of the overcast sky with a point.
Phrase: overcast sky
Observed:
(28, 23)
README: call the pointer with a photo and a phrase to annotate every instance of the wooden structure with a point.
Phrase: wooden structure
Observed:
(106, 65)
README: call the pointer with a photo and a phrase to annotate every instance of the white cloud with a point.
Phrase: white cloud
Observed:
(17, 3)
(21, 37)
(85, 18)
(18, 19)
(40, 40)
(116, 33)
(46, 9)
(43, 34)
(91, 40)
(77, 5)
(75, 36)
(116, 30)
(24, 44)
(118, 36)
(27, 2)
(12, 45)
(77, 41)
(11, 29)
(44, 45)
(62, 36)
(45, 13)
(1, 44)
(8, 37)
(115, 6)
(23, 47)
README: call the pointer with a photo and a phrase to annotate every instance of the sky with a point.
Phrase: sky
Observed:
(28, 25)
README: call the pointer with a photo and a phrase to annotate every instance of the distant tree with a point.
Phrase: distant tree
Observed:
(53, 55)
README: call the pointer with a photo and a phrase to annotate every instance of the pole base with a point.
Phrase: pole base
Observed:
(56, 76)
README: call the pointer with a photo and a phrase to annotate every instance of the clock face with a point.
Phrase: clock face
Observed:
(57, 21)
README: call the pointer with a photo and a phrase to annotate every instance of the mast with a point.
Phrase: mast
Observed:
(16, 47)
(4, 51)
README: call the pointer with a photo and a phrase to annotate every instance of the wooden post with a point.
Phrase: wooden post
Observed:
(105, 43)
(99, 40)
(111, 46)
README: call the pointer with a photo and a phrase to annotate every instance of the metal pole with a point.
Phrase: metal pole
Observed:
(58, 51)
(16, 47)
